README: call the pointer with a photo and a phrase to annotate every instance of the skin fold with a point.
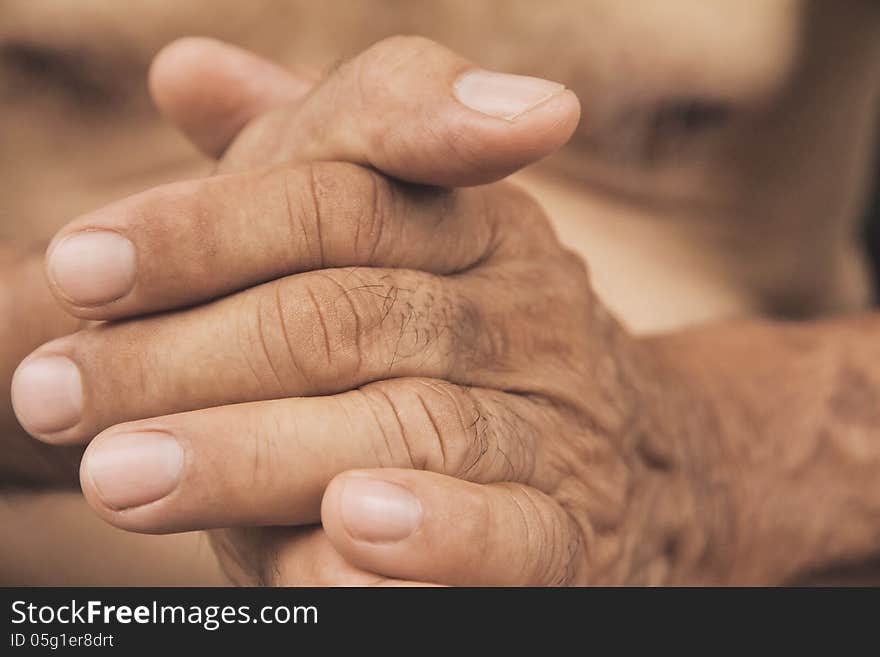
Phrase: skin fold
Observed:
(664, 446)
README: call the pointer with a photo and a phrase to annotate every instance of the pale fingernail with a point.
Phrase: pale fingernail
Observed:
(93, 267)
(378, 511)
(503, 95)
(47, 394)
(134, 469)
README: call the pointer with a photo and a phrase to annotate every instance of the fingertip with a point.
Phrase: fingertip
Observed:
(129, 470)
(47, 398)
(211, 89)
(562, 115)
(91, 268)
(506, 144)
(174, 67)
(477, 128)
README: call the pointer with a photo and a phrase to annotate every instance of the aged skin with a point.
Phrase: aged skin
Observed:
(825, 369)
(660, 454)
(476, 350)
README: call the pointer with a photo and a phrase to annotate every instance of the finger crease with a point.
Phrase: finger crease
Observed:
(320, 316)
(402, 430)
(287, 339)
(313, 181)
(385, 438)
(438, 436)
(261, 336)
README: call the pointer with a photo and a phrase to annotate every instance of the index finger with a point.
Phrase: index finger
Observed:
(185, 243)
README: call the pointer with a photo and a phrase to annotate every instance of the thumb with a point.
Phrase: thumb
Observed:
(416, 111)
(210, 89)
(435, 528)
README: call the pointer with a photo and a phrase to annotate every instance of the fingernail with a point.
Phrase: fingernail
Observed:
(377, 511)
(47, 394)
(503, 95)
(93, 267)
(134, 469)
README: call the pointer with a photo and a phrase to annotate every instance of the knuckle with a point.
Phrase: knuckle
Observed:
(390, 440)
(399, 321)
(455, 425)
(352, 326)
(367, 74)
(376, 79)
(340, 211)
(553, 547)
(321, 320)
(478, 529)
(418, 319)
(363, 199)
(256, 333)
(483, 332)
(306, 194)
(372, 215)
(399, 49)
(300, 335)
(564, 539)
(342, 325)
(442, 427)
(534, 542)
(430, 423)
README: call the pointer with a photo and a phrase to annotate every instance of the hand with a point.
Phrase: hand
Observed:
(558, 443)
(415, 298)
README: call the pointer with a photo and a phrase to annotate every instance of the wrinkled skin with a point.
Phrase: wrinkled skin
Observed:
(623, 456)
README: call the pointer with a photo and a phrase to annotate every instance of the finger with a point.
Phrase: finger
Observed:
(299, 556)
(426, 526)
(29, 315)
(268, 463)
(187, 242)
(416, 111)
(310, 334)
(130, 257)
(211, 89)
